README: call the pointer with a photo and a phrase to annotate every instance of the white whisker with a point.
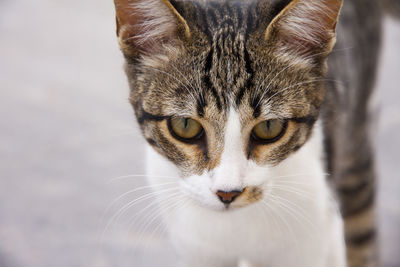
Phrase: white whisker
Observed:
(179, 203)
(265, 90)
(295, 190)
(296, 212)
(179, 81)
(287, 225)
(128, 205)
(169, 202)
(136, 190)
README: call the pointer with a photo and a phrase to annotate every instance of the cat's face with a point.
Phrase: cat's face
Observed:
(223, 95)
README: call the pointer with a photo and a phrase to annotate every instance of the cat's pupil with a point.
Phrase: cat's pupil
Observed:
(186, 123)
(268, 125)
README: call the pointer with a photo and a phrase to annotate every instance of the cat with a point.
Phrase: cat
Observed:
(392, 7)
(264, 137)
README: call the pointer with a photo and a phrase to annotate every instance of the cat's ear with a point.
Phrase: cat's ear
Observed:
(305, 28)
(146, 26)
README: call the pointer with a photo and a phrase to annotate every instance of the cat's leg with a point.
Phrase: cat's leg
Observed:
(357, 193)
(362, 243)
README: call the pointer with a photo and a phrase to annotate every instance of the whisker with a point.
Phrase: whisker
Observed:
(294, 190)
(179, 203)
(288, 87)
(166, 207)
(278, 200)
(296, 210)
(269, 217)
(185, 203)
(198, 79)
(298, 175)
(294, 174)
(179, 81)
(167, 199)
(128, 205)
(151, 215)
(148, 210)
(287, 225)
(183, 76)
(291, 182)
(273, 79)
(287, 67)
(136, 190)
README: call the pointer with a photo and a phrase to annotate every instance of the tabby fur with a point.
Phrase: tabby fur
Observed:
(263, 59)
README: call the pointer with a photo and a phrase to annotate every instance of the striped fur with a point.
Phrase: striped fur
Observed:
(347, 116)
(392, 7)
(264, 59)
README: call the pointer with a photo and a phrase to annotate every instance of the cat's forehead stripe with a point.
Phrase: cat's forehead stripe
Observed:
(228, 69)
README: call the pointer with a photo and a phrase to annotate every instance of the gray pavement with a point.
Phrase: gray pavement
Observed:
(66, 130)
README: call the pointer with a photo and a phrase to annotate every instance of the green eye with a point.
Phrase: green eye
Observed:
(185, 128)
(269, 131)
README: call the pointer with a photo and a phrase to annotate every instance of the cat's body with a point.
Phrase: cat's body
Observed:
(349, 116)
(249, 130)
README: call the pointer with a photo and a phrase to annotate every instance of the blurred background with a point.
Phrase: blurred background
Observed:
(68, 139)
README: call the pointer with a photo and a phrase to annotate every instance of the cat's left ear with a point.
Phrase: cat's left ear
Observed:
(305, 28)
(144, 27)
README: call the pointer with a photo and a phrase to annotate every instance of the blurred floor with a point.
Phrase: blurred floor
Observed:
(67, 129)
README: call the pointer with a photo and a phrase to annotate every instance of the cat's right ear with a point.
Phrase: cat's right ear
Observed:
(145, 27)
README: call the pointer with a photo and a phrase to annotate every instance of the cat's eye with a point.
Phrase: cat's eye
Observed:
(185, 128)
(269, 131)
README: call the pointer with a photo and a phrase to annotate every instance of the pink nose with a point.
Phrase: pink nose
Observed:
(228, 197)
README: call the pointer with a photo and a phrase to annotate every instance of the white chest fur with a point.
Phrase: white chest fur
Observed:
(297, 226)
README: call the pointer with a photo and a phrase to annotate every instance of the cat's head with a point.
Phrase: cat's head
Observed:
(226, 90)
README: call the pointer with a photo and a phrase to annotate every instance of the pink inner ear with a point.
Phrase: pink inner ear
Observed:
(126, 15)
(307, 25)
(143, 26)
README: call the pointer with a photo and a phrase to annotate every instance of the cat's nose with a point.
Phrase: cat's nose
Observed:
(228, 197)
